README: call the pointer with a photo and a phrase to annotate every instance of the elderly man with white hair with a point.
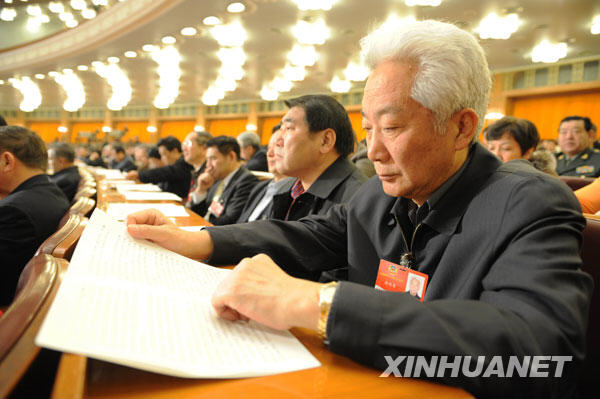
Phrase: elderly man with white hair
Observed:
(497, 245)
(251, 151)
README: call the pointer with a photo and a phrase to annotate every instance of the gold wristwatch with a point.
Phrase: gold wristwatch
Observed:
(326, 294)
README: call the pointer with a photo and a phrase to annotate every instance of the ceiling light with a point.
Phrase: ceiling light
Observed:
(100, 2)
(39, 76)
(269, 94)
(282, 85)
(82, 67)
(189, 31)
(233, 71)
(8, 1)
(73, 89)
(168, 40)
(88, 13)
(168, 60)
(306, 5)
(71, 23)
(32, 98)
(8, 14)
(97, 64)
(212, 20)
(149, 48)
(293, 73)
(232, 56)
(33, 24)
(78, 4)
(199, 128)
(151, 129)
(106, 129)
(251, 127)
(431, 3)
(1, 82)
(130, 54)
(338, 85)
(56, 7)
(225, 84)
(311, 33)
(302, 55)
(548, 52)
(236, 7)
(231, 35)
(118, 81)
(495, 27)
(356, 72)
(62, 129)
(34, 11)
(596, 25)
(52, 74)
(113, 60)
(67, 71)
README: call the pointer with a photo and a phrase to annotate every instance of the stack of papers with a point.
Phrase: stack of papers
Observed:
(150, 196)
(149, 187)
(136, 304)
(119, 211)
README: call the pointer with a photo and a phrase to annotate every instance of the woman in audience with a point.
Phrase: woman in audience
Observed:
(511, 138)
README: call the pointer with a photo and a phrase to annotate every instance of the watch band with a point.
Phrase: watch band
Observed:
(326, 294)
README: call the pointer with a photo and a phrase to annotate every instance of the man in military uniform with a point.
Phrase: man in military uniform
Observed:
(577, 158)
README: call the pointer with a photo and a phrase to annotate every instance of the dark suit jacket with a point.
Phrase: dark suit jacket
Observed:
(501, 248)
(28, 216)
(257, 193)
(258, 161)
(125, 165)
(233, 198)
(337, 184)
(68, 181)
(174, 178)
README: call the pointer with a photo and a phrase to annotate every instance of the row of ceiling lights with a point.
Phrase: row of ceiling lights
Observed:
(231, 38)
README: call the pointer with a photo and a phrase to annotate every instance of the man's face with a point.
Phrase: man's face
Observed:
(168, 157)
(572, 137)
(193, 153)
(506, 148)
(414, 286)
(246, 152)
(296, 152)
(271, 160)
(410, 158)
(117, 156)
(217, 164)
(141, 156)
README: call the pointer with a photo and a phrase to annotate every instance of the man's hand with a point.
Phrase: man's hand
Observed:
(132, 175)
(152, 225)
(258, 289)
(205, 181)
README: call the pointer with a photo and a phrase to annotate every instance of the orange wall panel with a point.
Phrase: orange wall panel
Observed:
(267, 127)
(228, 127)
(48, 131)
(179, 129)
(356, 121)
(546, 111)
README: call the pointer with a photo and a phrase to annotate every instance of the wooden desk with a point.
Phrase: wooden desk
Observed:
(80, 377)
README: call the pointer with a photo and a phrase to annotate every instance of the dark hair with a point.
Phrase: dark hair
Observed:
(587, 123)
(25, 145)
(225, 144)
(202, 137)
(276, 128)
(325, 112)
(153, 153)
(63, 150)
(2, 121)
(523, 131)
(118, 148)
(170, 143)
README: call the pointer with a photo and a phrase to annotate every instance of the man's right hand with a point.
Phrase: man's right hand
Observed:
(205, 181)
(152, 225)
(132, 175)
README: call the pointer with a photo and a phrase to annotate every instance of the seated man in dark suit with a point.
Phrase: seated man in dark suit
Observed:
(225, 185)
(317, 138)
(175, 176)
(260, 199)
(61, 158)
(31, 205)
(251, 151)
(121, 160)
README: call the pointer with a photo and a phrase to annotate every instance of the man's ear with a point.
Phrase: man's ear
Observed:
(7, 161)
(328, 139)
(463, 125)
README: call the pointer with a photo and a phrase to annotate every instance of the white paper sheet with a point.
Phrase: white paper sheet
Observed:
(119, 211)
(110, 173)
(150, 196)
(136, 304)
(192, 228)
(149, 187)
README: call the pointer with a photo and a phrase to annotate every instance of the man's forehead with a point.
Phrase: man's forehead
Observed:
(294, 114)
(573, 123)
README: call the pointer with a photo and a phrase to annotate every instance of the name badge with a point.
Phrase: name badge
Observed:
(216, 208)
(393, 277)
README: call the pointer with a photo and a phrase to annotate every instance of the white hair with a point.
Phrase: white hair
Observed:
(452, 71)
